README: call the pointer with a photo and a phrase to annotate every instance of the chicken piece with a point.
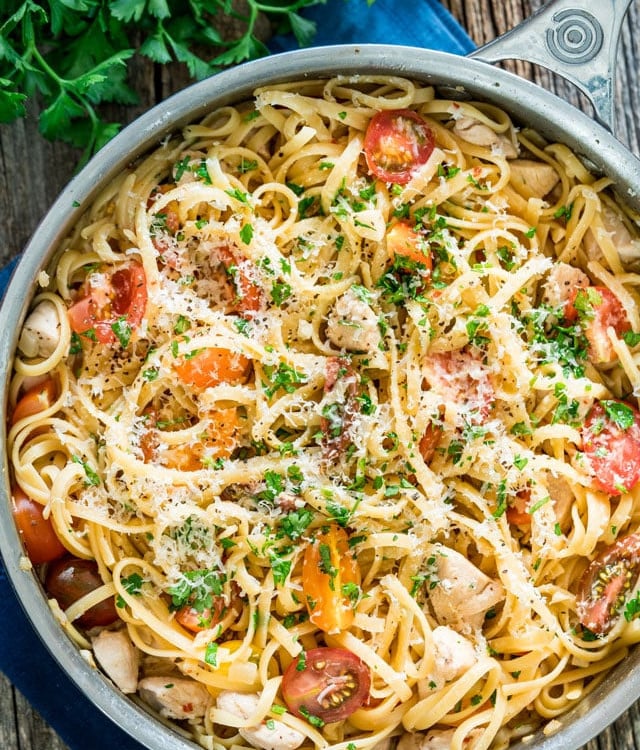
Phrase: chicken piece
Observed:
(533, 179)
(453, 654)
(41, 331)
(278, 737)
(175, 697)
(561, 283)
(474, 131)
(461, 378)
(119, 658)
(561, 494)
(352, 324)
(462, 593)
(628, 248)
(433, 739)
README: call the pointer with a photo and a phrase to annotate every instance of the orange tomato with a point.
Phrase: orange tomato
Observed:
(330, 573)
(402, 239)
(219, 441)
(429, 442)
(212, 366)
(35, 400)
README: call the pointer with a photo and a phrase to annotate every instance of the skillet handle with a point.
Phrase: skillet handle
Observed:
(577, 39)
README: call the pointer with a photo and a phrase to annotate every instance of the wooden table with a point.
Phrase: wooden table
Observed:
(33, 171)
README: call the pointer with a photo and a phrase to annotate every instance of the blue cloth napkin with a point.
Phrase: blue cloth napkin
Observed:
(23, 658)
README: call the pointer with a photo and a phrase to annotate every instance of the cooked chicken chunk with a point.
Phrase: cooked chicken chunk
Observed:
(175, 697)
(627, 247)
(462, 593)
(118, 657)
(278, 737)
(353, 325)
(434, 739)
(41, 331)
(561, 282)
(533, 179)
(453, 654)
(474, 131)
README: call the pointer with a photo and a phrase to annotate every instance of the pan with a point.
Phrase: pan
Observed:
(575, 39)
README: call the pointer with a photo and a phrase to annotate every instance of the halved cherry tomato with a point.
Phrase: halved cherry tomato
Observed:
(402, 239)
(247, 296)
(611, 444)
(37, 533)
(605, 583)
(69, 579)
(429, 442)
(517, 512)
(330, 577)
(195, 621)
(119, 294)
(212, 366)
(337, 416)
(326, 683)
(598, 308)
(36, 399)
(397, 143)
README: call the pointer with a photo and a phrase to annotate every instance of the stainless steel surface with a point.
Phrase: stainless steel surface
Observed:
(526, 102)
(579, 40)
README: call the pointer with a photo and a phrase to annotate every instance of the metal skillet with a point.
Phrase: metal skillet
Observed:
(573, 38)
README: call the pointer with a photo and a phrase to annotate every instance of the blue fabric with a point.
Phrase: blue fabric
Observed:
(23, 658)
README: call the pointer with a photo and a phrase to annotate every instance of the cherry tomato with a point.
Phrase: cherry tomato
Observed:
(36, 399)
(429, 442)
(599, 309)
(611, 444)
(327, 683)
(402, 239)
(120, 294)
(330, 579)
(247, 296)
(517, 512)
(195, 621)
(605, 583)
(397, 143)
(69, 579)
(337, 417)
(212, 366)
(219, 440)
(37, 533)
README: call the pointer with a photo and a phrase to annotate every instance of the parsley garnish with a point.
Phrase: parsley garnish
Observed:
(92, 479)
(619, 413)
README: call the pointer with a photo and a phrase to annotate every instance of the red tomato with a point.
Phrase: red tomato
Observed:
(611, 444)
(247, 296)
(191, 619)
(35, 400)
(37, 533)
(606, 582)
(397, 143)
(402, 239)
(212, 366)
(327, 683)
(517, 513)
(121, 294)
(69, 579)
(330, 573)
(337, 417)
(429, 442)
(598, 309)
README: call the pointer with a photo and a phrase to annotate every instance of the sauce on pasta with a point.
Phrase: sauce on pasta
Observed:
(324, 424)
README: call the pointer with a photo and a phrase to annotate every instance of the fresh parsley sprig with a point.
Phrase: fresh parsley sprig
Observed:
(72, 55)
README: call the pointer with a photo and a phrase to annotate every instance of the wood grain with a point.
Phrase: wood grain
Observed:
(33, 171)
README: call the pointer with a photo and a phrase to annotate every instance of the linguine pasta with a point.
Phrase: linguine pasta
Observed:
(318, 377)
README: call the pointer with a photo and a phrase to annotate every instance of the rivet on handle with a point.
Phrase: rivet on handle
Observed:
(577, 39)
